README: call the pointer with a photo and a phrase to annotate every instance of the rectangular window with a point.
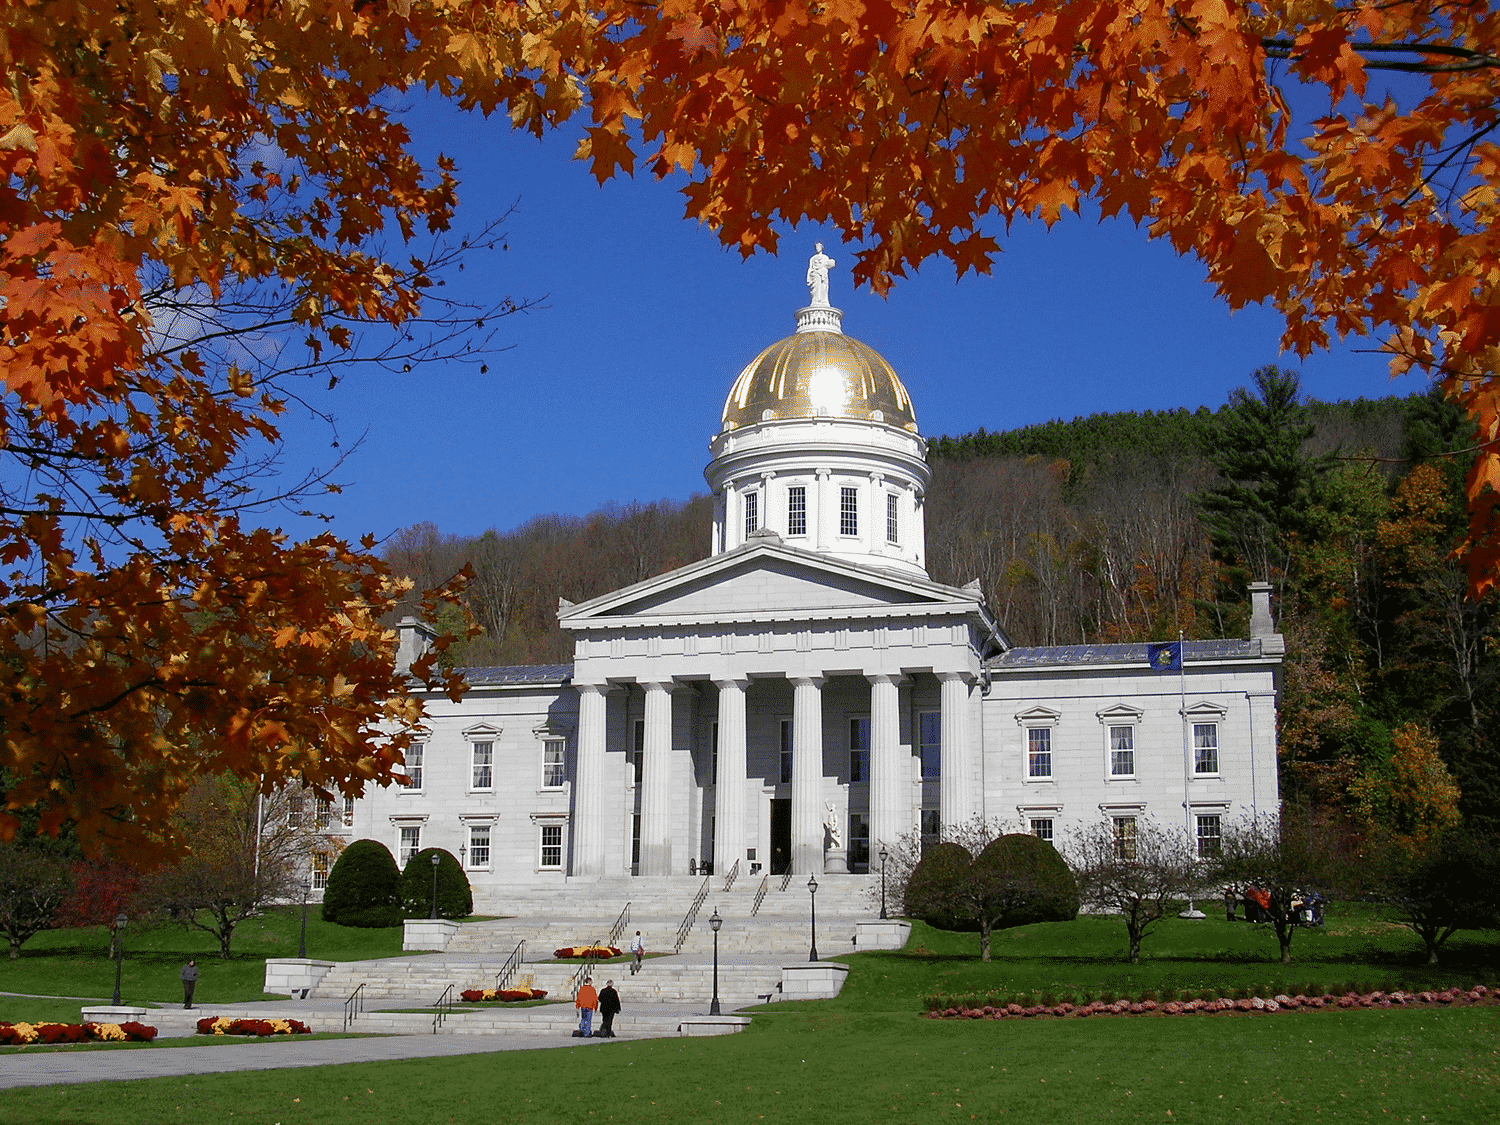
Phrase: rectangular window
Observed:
(859, 749)
(479, 845)
(786, 751)
(848, 511)
(1122, 751)
(638, 750)
(552, 845)
(294, 811)
(325, 816)
(1209, 831)
(348, 812)
(931, 826)
(484, 765)
(713, 753)
(411, 843)
(1124, 837)
(1205, 747)
(892, 518)
(859, 841)
(796, 510)
(414, 765)
(319, 871)
(635, 842)
(552, 763)
(752, 513)
(1039, 752)
(930, 742)
(1041, 828)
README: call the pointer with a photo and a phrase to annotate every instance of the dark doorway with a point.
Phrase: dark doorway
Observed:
(781, 835)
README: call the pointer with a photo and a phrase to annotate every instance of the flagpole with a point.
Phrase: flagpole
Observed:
(1187, 808)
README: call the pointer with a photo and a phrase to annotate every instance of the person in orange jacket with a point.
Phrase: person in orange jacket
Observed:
(586, 1003)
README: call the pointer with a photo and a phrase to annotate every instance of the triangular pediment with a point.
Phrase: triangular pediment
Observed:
(766, 581)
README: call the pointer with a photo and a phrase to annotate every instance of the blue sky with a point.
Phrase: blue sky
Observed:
(612, 391)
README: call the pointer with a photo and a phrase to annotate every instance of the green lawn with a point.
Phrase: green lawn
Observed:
(76, 962)
(869, 1056)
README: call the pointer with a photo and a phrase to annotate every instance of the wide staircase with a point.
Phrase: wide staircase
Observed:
(764, 925)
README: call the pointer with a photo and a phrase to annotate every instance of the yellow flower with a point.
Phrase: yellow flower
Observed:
(221, 1025)
(281, 1027)
(26, 1032)
(109, 1032)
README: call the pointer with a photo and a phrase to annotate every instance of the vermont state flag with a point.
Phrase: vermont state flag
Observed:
(1165, 657)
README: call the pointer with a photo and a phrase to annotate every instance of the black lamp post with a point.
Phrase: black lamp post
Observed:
(435, 862)
(812, 898)
(714, 922)
(120, 922)
(884, 855)
(302, 945)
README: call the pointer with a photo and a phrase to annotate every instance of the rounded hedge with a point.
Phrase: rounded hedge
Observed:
(1049, 892)
(454, 897)
(935, 884)
(364, 887)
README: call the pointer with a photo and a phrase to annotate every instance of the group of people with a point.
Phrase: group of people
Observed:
(1307, 906)
(605, 1001)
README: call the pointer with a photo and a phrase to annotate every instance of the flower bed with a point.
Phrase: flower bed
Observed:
(579, 952)
(1250, 1004)
(508, 995)
(21, 1034)
(223, 1025)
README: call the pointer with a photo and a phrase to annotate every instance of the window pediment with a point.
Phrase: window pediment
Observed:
(1038, 716)
(1120, 713)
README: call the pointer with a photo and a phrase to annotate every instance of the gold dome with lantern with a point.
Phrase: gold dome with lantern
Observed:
(818, 372)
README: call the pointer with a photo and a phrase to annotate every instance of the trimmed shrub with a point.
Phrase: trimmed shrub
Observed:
(936, 886)
(1031, 881)
(364, 887)
(454, 898)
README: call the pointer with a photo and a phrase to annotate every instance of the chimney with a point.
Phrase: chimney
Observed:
(413, 639)
(1262, 628)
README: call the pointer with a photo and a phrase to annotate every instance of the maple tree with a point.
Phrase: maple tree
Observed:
(909, 124)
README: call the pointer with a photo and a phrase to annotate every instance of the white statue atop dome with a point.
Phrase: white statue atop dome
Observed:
(817, 278)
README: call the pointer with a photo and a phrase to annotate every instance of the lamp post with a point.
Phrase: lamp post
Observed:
(812, 898)
(714, 922)
(435, 862)
(884, 855)
(302, 945)
(120, 922)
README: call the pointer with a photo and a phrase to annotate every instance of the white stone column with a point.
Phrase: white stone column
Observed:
(656, 830)
(874, 529)
(807, 775)
(953, 790)
(588, 783)
(890, 769)
(825, 515)
(729, 779)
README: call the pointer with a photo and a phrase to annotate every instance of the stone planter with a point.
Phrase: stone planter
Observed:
(881, 934)
(812, 980)
(294, 976)
(430, 935)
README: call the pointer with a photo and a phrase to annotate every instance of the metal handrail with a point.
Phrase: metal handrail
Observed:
(760, 895)
(444, 1005)
(354, 1006)
(786, 880)
(692, 916)
(619, 927)
(734, 873)
(512, 965)
(588, 966)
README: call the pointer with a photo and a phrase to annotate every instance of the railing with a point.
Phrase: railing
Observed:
(619, 927)
(588, 966)
(354, 1006)
(444, 1005)
(512, 965)
(734, 873)
(760, 895)
(786, 880)
(691, 917)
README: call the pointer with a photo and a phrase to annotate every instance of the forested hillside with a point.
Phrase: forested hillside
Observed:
(1133, 527)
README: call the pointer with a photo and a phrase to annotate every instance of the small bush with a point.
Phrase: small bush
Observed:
(455, 899)
(363, 887)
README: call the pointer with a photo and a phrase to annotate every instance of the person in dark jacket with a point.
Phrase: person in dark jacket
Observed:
(189, 982)
(609, 1007)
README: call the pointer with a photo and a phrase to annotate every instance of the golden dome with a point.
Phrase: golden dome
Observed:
(818, 375)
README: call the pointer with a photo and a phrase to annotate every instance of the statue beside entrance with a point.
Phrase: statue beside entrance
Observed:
(836, 857)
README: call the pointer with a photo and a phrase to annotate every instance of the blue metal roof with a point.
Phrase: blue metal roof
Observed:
(1194, 652)
(518, 674)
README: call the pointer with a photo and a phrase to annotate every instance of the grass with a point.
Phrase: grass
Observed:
(869, 1056)
(77, 963)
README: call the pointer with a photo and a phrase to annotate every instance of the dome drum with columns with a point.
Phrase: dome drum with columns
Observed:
(807, 694)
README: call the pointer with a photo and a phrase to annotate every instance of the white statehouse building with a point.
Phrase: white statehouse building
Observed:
(807, 693)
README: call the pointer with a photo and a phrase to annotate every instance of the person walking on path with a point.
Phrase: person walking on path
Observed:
(586, 1003)
(609, 1007)
(189, 982)
(637, 951)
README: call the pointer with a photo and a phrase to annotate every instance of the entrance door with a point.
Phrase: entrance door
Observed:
(781, 835)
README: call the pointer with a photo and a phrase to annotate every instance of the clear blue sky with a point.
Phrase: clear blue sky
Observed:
(612, 391)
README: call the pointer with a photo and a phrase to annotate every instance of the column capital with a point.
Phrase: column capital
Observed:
(584, 687)
(949, 677)
(900, 679)
(823, 473)
(667, 686)
(808, 681)
(740, 682)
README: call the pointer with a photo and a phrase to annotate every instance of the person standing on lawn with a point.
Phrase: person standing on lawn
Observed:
(609, 1007)
(637, 951)
(586, 1003)
(189, 982)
